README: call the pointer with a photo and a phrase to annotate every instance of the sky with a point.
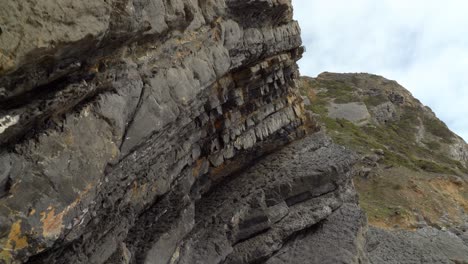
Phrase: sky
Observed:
(422, 44)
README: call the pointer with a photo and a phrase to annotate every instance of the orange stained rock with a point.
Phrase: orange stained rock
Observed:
(197, 167)
(52, 224)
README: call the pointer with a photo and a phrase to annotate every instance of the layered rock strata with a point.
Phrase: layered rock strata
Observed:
(171, 132)
(120, 119)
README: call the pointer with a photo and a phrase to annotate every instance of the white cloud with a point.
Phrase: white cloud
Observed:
(423, 44)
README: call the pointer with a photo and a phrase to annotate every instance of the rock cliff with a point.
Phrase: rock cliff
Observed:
(173, 132)
(136, 131)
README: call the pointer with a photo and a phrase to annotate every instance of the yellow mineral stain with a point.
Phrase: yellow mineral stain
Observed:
(94, 68)
(16, 241)
(16, 237)
(33, 211)
(138, 190)
(135, 188)
(52, 224)
(6, 62)
(69, 139)
(5, 255)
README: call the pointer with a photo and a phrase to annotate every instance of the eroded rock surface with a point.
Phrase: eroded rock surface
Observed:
(338, 239)
(170, 131)
(249, 218)
(114, 114)
(354, 112)
(426, 245)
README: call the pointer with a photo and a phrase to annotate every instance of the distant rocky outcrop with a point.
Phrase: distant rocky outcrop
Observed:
(412, 177)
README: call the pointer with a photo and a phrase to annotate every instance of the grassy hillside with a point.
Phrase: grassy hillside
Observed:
(414, 169)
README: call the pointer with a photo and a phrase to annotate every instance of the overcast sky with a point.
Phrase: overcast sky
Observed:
(422, 44)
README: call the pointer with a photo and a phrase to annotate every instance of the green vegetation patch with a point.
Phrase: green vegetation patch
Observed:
(380, 202)
(339, 92)
(431, 166)
(438, 128)
(372, 101)
(388, 197)
(433, 145)
(319, 106)
(397, 139)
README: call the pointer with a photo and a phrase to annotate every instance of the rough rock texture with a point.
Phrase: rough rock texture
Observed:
(338, 239)
(167, 132)
(250, 217)
(114, 114)
(385, 113)
(132, 131)
(427, 245)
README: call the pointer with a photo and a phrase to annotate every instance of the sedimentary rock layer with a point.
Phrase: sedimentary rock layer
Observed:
(119, 119)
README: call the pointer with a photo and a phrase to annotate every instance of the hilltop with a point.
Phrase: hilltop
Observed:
(413, 169)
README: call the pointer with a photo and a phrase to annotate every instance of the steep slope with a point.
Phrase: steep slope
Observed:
(134, 132)
(413, 169)
(173, 132)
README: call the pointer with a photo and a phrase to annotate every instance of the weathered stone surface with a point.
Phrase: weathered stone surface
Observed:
(385, 113)
(170, 131)
(304, 183)
(338, 239)
(426, 245)
(354, 112)
(458, 150)
(116, 117)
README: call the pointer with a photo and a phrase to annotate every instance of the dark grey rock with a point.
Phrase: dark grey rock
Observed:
(252, 216)
(396, 98)
(426, 245)
(124, 114)
(340, 238)
(166, 132)
(162, 249)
